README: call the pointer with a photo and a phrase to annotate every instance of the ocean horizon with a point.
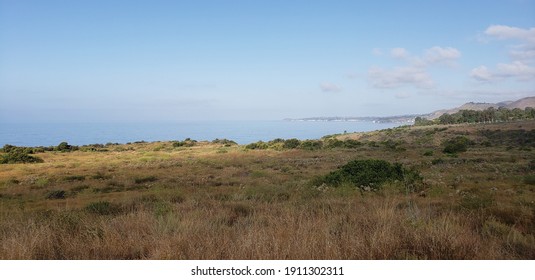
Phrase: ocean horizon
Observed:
(243, 132)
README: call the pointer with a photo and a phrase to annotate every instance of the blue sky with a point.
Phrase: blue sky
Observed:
(259, 60)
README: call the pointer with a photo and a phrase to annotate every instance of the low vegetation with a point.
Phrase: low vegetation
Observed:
(18, 156)
(369, 174)
(456, 145)
(413, 192)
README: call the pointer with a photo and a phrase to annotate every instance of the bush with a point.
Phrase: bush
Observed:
(72, 178)
(65, 147)
(529, 179)
(19, 156)
(103, 208)
(8, 148)
(56, 194)
(146, 179)
(27, 150)
(224, 142)
(311, 145)
(531, 165)
(291, 143)
(348, 143)
(75, 190)
(276, 141)
(351, 144)
(260, 145)
(186, 143)
(456, 145)
(474, 201)
(333, 143)
(390, 144)
(373, 144)
(370, 173)
(428, 153)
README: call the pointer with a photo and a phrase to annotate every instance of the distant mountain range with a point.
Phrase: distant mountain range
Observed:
(521, 104)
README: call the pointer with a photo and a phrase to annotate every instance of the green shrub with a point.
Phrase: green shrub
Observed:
(65, 147)
(276, 141)
(428, 153)
(95, 148)
(531, 165)
(100, 176)
(56, 194)
(186, 143)
(8, 148)
(412, 180)
(147, 179)
(456, 145)
(72, 178)
(77, 189)
(291, 143)
(27, 150)
(474, 201)
(42, 182)
(373, 144)
(370, 173)
(224, 142)
(333, 143)
(529, 179)
(351, 144)
(103, 208)
(260, 145)
(390, 144)
(348, 143)
(18, 156)
(311, 145)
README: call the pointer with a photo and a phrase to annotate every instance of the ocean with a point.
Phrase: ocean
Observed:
(243, 132)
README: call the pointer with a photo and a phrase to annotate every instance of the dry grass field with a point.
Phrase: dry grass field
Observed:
(212, 201)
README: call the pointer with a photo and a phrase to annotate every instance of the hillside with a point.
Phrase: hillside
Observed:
(457, 192)
(521, 104)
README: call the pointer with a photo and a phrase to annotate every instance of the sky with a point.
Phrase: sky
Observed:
(94, 61)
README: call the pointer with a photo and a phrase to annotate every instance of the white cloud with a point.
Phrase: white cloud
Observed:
(330, 87)
(415, 72)
(507, 32)
(434, 55)
(516, 70)
(399, 53)
(481, 73)
(524, 53)
(398, 77)
(521, 68)
(438, 54)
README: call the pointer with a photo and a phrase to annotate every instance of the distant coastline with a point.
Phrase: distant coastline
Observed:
(408, 119)
(522, 104)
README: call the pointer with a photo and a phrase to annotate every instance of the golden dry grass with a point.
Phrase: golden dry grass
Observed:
(154, 201)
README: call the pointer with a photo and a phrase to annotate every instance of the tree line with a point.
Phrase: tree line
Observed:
(488, 115)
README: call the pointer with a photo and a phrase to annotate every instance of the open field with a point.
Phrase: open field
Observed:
(217, 201)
